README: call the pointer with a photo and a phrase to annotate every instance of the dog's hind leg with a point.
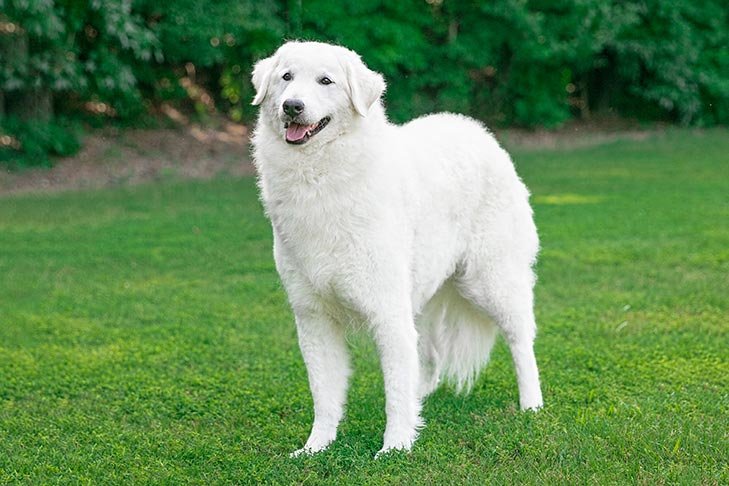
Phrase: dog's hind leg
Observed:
(506, 295)
(519, 330)
(323, 347)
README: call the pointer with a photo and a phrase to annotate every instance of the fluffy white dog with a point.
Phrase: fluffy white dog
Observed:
(422, 232)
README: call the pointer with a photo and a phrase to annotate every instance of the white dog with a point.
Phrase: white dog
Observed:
(421, 232)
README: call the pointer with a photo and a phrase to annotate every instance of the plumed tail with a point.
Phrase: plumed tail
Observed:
(455, 341)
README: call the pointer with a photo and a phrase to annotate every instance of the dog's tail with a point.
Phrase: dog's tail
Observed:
(455, 342)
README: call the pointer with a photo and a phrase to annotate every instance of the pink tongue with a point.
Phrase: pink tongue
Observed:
(296, 132)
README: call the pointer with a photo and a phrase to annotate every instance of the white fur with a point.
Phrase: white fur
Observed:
(421, 232)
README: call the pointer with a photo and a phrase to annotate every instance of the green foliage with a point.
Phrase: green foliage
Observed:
(537, 62)
(675, 60)
(509, 62)
(212, 45)
(145, 338)
(33, 141)
(85, 48)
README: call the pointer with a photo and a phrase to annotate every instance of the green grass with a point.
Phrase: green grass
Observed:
(145, 338)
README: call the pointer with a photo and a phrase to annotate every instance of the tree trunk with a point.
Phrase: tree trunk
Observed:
(30, 103)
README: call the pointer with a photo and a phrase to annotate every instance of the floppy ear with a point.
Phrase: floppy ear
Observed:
(365, 85)
(261, 76)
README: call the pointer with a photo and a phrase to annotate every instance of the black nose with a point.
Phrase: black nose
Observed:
(293, 107)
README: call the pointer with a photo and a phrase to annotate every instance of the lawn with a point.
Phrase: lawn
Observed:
(145, 338)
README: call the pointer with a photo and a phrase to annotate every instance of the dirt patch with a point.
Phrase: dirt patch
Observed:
(114, 157)
(577, 134)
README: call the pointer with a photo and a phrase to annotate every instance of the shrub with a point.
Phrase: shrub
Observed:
(29, 143)
(508, 62)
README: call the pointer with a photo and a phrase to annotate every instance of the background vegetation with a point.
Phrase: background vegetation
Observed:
(145, 338)
(508, 62)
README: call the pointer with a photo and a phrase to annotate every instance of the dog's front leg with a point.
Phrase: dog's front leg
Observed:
(397, 343)
(324, 350)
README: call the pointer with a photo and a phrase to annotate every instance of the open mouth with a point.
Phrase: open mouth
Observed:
(297, 134)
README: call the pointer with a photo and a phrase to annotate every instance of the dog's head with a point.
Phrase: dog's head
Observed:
(311, 92)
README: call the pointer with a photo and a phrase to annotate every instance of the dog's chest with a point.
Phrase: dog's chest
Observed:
(323, 239)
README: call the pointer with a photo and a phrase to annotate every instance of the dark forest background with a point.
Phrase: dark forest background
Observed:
(68, 65)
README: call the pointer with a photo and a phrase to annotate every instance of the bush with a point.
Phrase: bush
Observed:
(88, 49)
(209, 48)
(540, 62)
(29, 143)
(508, 62)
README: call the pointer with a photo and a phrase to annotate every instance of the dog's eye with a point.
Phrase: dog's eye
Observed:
(325, 81)
(287, 77)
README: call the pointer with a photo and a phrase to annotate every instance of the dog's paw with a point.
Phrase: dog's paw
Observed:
(400, 441)
(301, 452)
(531, 405)
(316, 443)
(307, 451)
(532, 408)
(402, 447)
(298, 452)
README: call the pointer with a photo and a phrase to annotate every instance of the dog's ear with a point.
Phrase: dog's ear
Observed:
(365, 85)
(262, 76)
